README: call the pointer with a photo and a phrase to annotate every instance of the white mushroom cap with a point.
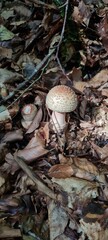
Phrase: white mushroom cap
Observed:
(28, 112)
(62, 99)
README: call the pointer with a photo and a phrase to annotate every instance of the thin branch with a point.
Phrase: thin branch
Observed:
(63, 28)
(46, 5)
(61, 38)
(39, 184)
(36, 71)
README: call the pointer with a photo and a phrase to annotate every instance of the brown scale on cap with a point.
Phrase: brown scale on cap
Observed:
(61, 99)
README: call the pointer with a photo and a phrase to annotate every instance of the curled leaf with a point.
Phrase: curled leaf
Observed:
(36, 122)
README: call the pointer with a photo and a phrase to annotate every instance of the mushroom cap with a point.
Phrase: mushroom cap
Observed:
(28, 112)
(62, 99)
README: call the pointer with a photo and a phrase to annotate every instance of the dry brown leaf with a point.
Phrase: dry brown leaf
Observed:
(61, 171)
(101, 152)
(31, 154)
(6, 52)
(64, 160)
(78, 190)
(44, 132)
(103, 30)
(86, 165)
(82, 13)
(105, 92)
(80, 86)
(36, 122)
(83, 108)
(13, 136)
(92, 231)
(58, 220)
(8, 232)
(86, 125)
(24, 182)
(67, 170)
(10, 166)
(46, 20)
(37, 140)
(99, 79)
(7, 76)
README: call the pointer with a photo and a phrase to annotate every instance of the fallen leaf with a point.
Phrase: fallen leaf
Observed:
(58, 219)
(103, 30)
(5, 34)
(86, 165)
(82, 13)
(7, 76)
(61, 171)
(36, 121)
(6, 52)
(92, 231)
(4, 114)
(13, 136)
(68, 170)
(31, 154)
(99, 79)
(10, 166)
(102, 152)
(78, 190)
(7, 13)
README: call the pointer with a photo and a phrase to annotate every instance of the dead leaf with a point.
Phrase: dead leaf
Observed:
(10, 166)
(82, 13)
(6, 52)
(83, 106)
(6, 14)
(105, 92)
(46, 20)
(61, 171)
(86, 165)
(8, 76)
(13, 136)
(37, 140)
(68, 170)
(22, 10)
(36, 121)
(58, 219)
(101, 152)
(99, 79)
(4, 114)
(103, 30)
(44, 132)
(6, 232)
(92, 230)
(78, 190)
(31, 154)
(5, 34)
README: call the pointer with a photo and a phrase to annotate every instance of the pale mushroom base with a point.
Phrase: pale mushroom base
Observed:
(58, 121)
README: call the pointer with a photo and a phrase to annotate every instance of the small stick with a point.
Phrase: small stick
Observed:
(36, 71)
(39, 184)
(63, 28)
(46, 5)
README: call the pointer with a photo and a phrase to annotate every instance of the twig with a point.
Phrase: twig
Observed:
(39, 184)
(36, 71)
(46, 5)
(61, 38)
(28, 87)
(63, 28)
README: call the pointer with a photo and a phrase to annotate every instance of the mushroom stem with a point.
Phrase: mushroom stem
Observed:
(58, 121)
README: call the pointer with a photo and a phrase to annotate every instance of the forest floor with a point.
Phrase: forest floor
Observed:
(53, 184)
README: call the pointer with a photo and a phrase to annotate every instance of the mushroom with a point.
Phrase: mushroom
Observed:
(28, 113)
(60, 99)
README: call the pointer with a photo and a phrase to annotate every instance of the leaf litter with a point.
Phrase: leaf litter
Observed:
(53, 185)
